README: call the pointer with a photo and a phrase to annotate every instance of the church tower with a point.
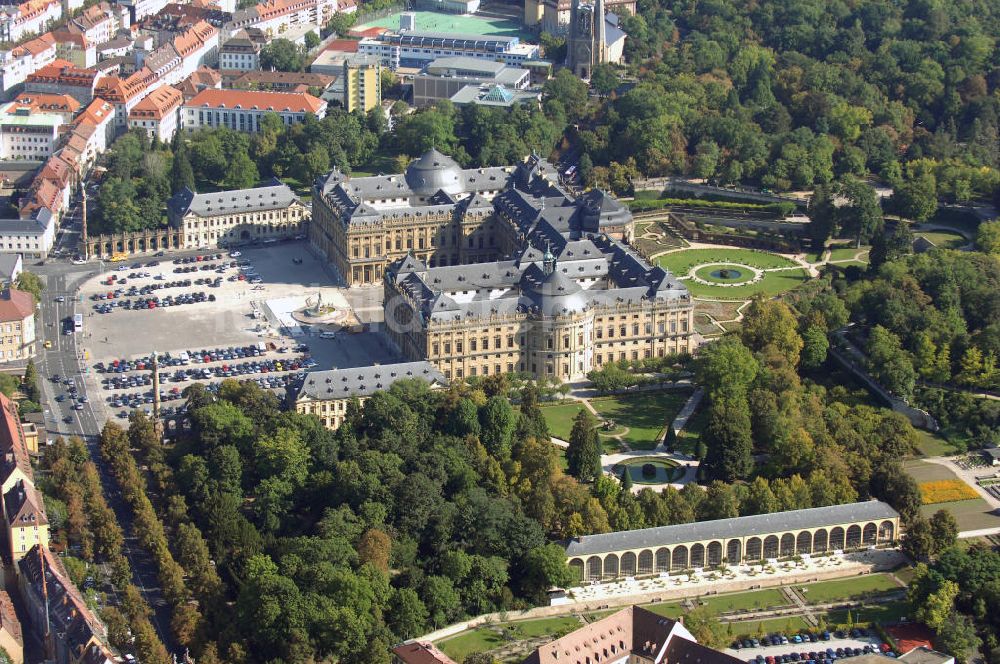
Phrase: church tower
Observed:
(586, 44)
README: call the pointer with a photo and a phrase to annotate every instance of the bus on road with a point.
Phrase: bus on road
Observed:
(77, 322)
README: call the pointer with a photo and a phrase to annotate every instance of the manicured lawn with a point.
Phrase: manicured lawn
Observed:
(970, 514)
(758, 599)
(814, 256)
(560, 418)
(848, 253)
(944, 239)
(681, 262)
(773, 283)
(669, 610)
(483, 639)
(737, 275)
(885, 614)
(466, 643)
(930, 444)
(790, 625)
(646, 414)
(858, 586)
(923, 471)
(687, 439)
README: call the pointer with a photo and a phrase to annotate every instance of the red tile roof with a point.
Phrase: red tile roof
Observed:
(910, 636)
(264, 101)
(344, 45)
(97, 112)
(8, 617)
(421, 652)
(43, 101)
(158, 103)
(15, 305)
(65, 73)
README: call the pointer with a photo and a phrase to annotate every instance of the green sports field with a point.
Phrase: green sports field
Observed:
(455, 23)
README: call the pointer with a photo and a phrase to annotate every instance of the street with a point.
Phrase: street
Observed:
(62, 278)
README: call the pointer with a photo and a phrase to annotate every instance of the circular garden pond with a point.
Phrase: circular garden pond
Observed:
(650, 470)
(727, 274)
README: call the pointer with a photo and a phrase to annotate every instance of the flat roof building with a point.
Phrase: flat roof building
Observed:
(417, 48)
(444, 77)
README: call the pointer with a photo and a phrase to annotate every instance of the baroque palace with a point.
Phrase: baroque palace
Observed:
(497, 270)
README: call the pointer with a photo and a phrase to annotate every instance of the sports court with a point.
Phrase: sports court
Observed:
(465, 24)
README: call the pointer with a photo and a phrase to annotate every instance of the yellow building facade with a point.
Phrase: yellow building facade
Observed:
(362, 76)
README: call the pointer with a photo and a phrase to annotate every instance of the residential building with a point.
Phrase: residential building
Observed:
(17, 325)
(178, 58)
(62, 77)
(158, 113)
(17, 63)
(276, 17)
(11, 265)
(57, 612)
(417, 48)
(28, 133)
(203, 78)
(241, 110)
(20, 20)
(633, 634)
(125, 93)
(33, 237)
(444, 77)
(280, 81)
(239, 216)
(96, 127)
(11, 639)
(362, 83)
(326, 394)
(240, 53)
(25, 522)
(99, 23)
(736, 541)
(74, 48)
(139, 9)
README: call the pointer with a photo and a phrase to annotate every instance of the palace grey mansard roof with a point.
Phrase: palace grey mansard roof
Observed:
(365, 381)
(521, 285)
(724, 529)
(274, 195)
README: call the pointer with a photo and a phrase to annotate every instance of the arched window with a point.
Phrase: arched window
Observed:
(680, 557)
(610, 566)
(837, 538)
(628, 564)
(663, 560)
(886, 531)
(646, 562)
(787, 545)
(803, 543)
(698, 555)
(820, 541)
(733, 552)
(854, 537)
(771, 546)
(869, 534)
(754, 549)
(714, 554)
(593, 568)
(577, 566)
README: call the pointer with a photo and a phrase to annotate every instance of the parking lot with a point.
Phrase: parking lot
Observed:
(818, 651)
(206, 308)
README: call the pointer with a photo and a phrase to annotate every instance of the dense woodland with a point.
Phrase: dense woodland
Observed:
(276, 539)
(785, 94)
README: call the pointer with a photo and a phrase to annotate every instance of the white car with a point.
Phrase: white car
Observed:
(328, 335)
(79, 261)
(235, 254)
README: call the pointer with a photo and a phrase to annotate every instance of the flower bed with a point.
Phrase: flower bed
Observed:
(945, 491)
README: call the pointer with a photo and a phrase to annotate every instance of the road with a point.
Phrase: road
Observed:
(65, 359)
